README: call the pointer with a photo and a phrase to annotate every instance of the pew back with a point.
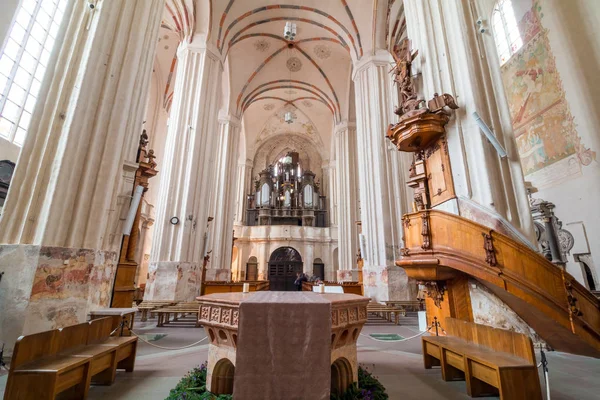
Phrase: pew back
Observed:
(33, 347)
(497, 339)
(99, 330)
(72, 336)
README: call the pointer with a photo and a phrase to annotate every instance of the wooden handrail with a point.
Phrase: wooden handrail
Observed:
(439, 244)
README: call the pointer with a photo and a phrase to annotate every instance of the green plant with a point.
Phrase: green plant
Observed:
(368, 388)
(193, 387)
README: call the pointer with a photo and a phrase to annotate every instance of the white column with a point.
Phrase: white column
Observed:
(347, 187)
(188, 172)
(381, 207)
(243, 177)
(452, 60)
(224, 196)
(329, 189)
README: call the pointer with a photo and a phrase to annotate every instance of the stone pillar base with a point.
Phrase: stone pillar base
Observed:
(347, 275)
(173, 280)
(221, 274)
(388, 283)
(47, 287)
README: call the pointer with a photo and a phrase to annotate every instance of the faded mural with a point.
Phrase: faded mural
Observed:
(543, 125)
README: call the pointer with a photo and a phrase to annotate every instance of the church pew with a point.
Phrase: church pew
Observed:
(491, 361)
(408, 305)
(67, 360)
(147, 306)
(126, 346)
(389, 313)
(37, 371)
(164, 314)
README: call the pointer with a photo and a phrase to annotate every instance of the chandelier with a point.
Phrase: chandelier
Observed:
(289, 32)
(289, 117)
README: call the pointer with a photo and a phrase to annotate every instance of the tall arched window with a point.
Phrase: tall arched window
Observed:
(506, 31)
(23, 62)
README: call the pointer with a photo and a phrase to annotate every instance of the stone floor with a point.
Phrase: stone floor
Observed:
(398, 365)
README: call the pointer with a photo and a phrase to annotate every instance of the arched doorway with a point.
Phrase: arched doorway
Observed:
(284, 263)
(252, 269)
(319, 269)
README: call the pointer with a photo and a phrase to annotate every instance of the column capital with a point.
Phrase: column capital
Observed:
(381, 57)
(225, 118)
(198, 44)
(343, 126)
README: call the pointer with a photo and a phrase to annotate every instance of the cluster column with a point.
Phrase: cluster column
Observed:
(180, 243)
(224, 199)
(381, 202)
(347, 195)
(244, 180)
(61, 225)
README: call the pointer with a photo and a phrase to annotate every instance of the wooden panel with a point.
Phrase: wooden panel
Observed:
(72, 336)
(439, 173)
(124, 352)
(432, 350)
(72, 377)
(454, 359)
(460, 298)
(99, 329)
(484, 373)
(101, 363)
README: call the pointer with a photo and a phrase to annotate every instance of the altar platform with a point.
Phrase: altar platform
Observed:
(275, 342)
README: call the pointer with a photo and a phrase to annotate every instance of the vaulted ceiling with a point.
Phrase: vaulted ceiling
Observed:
(269, 75)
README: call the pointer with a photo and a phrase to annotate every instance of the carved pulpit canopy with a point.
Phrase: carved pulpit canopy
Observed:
(419, 125)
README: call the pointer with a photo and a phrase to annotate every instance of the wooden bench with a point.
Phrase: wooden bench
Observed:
(148, 306)
(387, 312)
(491, 361)
(177, 310)
(407, 305)
(67, 360)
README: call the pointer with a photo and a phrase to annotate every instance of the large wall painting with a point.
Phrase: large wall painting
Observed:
(546, 134)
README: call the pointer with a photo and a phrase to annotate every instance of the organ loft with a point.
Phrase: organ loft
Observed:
(299, 199)
(287, 195)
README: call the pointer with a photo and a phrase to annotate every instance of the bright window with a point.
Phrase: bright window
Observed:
(506, 31)
(23, 62)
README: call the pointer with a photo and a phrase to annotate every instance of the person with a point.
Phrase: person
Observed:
(297, 282)
(303, 278)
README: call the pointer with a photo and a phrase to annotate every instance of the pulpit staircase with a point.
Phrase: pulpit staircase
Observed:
(443, 249)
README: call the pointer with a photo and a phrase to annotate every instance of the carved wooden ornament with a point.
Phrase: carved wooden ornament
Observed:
(490, 253)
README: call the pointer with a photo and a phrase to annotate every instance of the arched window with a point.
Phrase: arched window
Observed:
(23, 62)
(506, 31)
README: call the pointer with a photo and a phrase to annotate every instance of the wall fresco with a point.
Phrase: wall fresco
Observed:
(173, 280)
(544, 128)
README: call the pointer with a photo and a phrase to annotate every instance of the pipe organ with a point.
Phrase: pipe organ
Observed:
(286, 195)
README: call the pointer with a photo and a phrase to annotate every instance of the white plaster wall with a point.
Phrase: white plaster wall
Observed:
(572, 32)
(310, 242)
(9, 10)
(9, 151)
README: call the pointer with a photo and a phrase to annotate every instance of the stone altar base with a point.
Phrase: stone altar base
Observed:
(282, 345)
(46, 287)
